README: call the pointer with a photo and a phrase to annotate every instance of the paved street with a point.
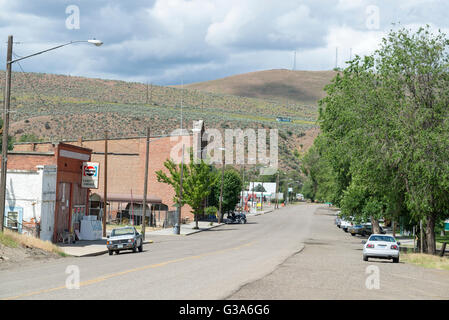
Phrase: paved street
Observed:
(209, 265)
(331, 267)
(260, 260)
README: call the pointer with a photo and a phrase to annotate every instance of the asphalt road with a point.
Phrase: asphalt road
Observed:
(208, 265)
(331, 267)
(292, 253)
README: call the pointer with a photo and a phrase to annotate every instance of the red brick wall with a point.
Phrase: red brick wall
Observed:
(126, 170)
(29, 162)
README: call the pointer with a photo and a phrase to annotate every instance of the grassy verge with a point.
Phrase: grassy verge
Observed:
(14, 240)
(426, 260)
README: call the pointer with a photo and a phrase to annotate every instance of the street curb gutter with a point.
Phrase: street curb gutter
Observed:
(259, 214)
(201, 230)
(99, 253)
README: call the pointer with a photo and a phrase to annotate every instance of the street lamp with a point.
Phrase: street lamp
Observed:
(7, 99)
(220, 213)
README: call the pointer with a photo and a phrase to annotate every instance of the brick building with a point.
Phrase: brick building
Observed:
(126, 167)
(44, 195)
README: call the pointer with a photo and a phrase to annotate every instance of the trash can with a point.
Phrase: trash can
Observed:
(176, 229)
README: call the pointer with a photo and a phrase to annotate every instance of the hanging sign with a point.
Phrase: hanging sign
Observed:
(90, 175)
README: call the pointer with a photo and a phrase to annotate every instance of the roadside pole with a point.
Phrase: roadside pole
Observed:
(180, 193)
(220, 213)
(276, 205)
(5, 131)
(105, 200)
(145, 186)
(421, 233)
(243, 188)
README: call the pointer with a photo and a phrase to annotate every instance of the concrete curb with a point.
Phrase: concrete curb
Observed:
(194, 231)
(261, 213)
(204, 229)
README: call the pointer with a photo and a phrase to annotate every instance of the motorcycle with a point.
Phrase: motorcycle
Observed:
(233, 218)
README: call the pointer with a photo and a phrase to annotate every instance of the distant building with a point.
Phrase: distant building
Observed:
(283, 119)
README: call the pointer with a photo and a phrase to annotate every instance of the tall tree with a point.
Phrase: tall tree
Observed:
(386, 128)
(197, 181)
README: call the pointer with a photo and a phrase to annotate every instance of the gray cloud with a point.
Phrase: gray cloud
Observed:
(163, 41)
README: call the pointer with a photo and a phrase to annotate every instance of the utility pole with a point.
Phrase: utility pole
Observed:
(147, 93)
(294, 61)
(145, 186)
(243, 188)
(421, 234)
(105, 198)
(276, 205)
(336, 57)
(5, 132)
(220, 213)
(182, 95)
(180, 193)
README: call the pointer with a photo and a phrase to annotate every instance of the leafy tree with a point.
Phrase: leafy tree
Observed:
(259, 188)
(29, 137)
(385, 133)
(10, 139)
(232, 187)
(197, 182)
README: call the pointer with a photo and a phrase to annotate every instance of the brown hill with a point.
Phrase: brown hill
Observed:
(300, 86)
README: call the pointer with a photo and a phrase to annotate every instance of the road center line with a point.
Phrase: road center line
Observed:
(117, 274)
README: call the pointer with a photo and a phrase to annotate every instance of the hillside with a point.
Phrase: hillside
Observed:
(56, 107)
(304, 87)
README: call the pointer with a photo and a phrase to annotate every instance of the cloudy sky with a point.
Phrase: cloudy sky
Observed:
(169, 41)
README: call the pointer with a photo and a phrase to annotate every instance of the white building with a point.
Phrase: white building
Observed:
(30, 200)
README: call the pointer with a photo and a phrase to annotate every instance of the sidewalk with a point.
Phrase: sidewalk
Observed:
(186, 229)
(88, 248)
(258, 213)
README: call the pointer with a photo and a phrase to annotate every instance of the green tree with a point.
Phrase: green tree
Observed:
(29, 137)
(197, 181)
(10, 139)
(259, 188)
(384, 124)
(232, 187)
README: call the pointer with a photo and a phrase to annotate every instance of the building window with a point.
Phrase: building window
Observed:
(13, 218)
(12, 221)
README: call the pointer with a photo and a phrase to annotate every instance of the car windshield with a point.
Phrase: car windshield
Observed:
(122, 232)
(382, 238)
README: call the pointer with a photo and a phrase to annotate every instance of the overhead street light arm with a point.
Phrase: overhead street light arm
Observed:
(5, 128)
(95, 42)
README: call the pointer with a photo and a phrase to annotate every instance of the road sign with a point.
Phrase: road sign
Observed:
(90, 175)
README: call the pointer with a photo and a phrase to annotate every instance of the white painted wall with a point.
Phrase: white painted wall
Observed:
(270, 187)
(35, 193)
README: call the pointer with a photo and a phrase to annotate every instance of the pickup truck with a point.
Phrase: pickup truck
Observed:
(126, 238)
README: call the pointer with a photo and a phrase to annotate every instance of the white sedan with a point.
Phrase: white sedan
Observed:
(381, 246)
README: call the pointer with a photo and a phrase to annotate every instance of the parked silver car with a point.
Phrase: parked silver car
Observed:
(381, 246)
(126, 238)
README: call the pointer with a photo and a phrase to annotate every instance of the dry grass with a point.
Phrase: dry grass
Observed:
(300, 86)
(14, 239)
(426, 260)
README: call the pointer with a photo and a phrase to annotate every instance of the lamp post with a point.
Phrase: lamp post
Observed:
(7, 100)
(220, 213)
